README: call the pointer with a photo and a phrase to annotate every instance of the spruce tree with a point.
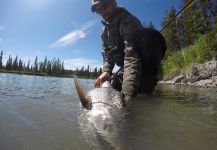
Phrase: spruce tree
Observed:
(9, 64)
(41, 66)
(151, 25)
(15, 63)
(193, 21)
(171, 32)
(62, 68)
(45, 64)
(1, 60)
(35, 67)
(20, 66)
(49, 68)
(28, 66)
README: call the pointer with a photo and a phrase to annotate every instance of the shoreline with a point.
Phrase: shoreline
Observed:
(40, 74)
(199, 75)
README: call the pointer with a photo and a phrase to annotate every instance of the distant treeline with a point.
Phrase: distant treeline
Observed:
(47, 67)
(197, 19)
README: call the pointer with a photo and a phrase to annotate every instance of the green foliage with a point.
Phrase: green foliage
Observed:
(200, 52)
(21, 65)
(48, 67)
(170, 33)
(15, 63)
(88, 72)
(150, 25)
(197, 34)
(9, 64)
(35, 68)
(197, 19)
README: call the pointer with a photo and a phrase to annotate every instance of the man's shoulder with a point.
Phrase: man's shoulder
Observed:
(127, 17)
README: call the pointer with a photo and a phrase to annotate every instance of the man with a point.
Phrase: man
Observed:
(137, 51)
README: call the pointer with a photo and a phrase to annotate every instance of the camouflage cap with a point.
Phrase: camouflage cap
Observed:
(102, 3)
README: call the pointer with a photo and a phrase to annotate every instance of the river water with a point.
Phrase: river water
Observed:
(43, 113)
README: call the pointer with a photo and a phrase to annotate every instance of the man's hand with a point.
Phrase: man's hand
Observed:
(105, 76)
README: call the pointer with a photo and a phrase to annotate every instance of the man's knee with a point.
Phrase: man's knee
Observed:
(147, 85)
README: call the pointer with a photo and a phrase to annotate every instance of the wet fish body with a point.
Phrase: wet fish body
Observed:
(102, 113)
(104, 96)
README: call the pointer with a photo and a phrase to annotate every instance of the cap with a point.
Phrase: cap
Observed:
(102, 3)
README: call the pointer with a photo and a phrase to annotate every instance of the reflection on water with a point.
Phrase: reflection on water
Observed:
(44, 113)
(33, 86)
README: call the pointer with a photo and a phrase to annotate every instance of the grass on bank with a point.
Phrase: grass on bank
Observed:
(201, 51)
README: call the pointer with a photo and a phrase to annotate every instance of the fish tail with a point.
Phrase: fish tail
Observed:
(85, 101)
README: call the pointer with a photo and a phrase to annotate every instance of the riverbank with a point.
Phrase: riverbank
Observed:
(200, 75)
(69, 75)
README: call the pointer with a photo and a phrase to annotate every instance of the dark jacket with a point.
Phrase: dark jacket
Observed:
(120, 34)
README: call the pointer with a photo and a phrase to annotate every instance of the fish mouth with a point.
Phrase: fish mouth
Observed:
(84, 98)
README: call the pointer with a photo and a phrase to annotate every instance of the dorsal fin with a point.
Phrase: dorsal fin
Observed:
(85, 101)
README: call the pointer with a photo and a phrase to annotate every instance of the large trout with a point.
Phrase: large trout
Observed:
(102, 116)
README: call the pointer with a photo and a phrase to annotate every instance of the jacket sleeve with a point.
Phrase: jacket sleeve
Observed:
(130, 29)
(107, 67)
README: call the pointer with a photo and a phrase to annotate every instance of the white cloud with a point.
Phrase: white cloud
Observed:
(1, 28)
(81, 62)
(1, 39)
(74, 35)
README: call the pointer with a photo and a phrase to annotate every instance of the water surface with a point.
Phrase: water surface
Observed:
(44, 113)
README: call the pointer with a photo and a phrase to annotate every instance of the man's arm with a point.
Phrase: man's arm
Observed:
(130, 29)
(107, 66)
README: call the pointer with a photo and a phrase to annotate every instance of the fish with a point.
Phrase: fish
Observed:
(103, 96)
(102, 115)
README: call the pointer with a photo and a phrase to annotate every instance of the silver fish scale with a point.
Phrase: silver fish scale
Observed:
(106, 114)
(106, 96)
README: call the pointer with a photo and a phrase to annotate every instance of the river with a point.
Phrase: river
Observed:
(43, 113)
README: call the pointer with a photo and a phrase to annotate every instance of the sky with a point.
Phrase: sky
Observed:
(64, 29)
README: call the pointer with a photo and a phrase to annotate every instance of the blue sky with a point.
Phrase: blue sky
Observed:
(65, 29)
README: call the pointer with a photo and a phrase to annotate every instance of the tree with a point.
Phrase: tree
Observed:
(87, 71)
(41, 67)
(15, 63)
(35, 67)
(28, 66)
(196, 20)
(20, 66)
(170, 32)
(95, 72)
(62, 68)
(1, 57)
(49, 68)
(99, 72)
(45, 64)
(151, 25)
(9, 64)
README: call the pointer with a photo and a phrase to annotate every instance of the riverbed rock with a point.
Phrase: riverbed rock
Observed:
(202, 71)
(214, 80)
(177, 79)
(204, 83)
(194, 79)
(184, 81)
(202, 75)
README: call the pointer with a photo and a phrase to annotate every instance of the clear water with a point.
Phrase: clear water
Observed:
(43, 113)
